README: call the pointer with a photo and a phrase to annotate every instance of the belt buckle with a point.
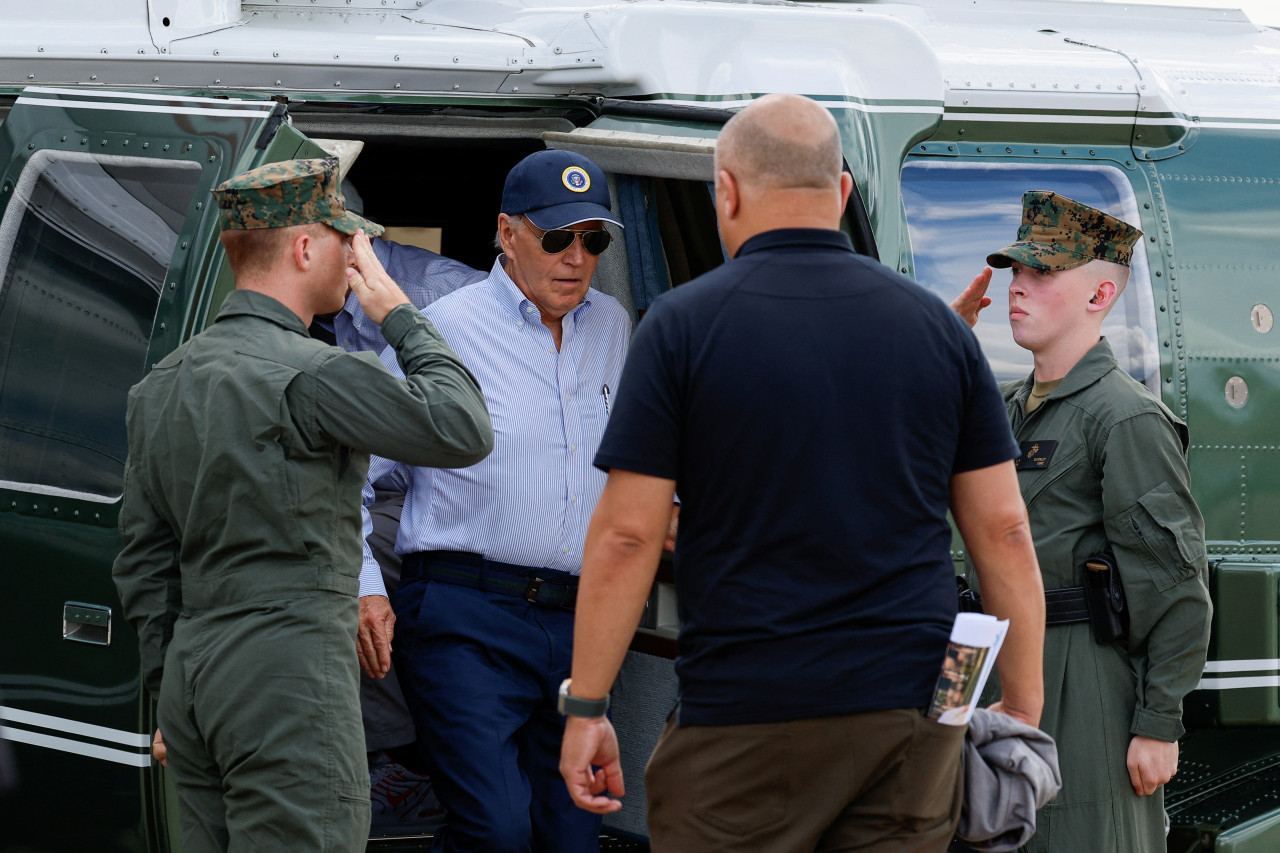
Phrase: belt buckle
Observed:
(531, 590)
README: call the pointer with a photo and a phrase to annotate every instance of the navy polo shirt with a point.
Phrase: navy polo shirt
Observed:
(812, 406)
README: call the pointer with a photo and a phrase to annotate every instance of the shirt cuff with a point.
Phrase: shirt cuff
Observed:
(371, 578)
(1157, 726)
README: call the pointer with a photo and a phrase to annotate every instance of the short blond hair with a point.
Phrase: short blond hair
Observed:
(255, 251)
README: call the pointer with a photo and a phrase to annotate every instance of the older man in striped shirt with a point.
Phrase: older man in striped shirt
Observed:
(483, 614)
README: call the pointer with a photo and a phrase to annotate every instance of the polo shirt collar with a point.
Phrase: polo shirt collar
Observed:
(796, 238)
(251, 303)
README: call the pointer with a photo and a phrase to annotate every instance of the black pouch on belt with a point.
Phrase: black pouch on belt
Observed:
(968, 597)
(1104, 595)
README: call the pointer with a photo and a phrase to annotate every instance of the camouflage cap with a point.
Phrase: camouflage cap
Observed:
(291, 192)
(1060, 234)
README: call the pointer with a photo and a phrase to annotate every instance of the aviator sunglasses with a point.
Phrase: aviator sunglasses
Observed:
(558, 240)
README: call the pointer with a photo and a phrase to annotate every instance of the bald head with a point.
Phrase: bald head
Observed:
(781, 142)
(778, 166)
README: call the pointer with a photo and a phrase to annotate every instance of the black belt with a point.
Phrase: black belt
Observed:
(537, 586)
(1061, 606)
(1064, 606)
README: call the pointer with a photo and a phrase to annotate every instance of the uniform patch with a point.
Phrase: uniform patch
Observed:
(1035, 455)
(576, 179)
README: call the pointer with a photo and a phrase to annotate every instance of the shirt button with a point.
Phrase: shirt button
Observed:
(573, 500)
(528, 309)
(572, 448)
(566, 550)
(521, 323)
(551, 350)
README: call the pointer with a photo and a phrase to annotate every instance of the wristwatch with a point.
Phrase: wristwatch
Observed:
(574, 706)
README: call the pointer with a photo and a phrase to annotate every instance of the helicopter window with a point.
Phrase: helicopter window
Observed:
(959, 212)
(85, 244)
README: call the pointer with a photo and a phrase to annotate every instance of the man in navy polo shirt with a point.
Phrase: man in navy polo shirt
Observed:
(820, 414)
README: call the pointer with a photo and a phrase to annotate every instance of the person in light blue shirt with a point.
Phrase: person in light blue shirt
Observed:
(483, 616)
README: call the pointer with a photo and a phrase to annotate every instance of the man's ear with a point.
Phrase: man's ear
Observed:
(1104, 295)
(302, 251)
(728, 199)
(506, 233)
(846, 187)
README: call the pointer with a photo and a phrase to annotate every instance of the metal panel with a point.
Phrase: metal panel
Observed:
(73, 711)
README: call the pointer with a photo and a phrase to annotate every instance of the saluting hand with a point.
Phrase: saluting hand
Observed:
(378, 293)
(970, 303)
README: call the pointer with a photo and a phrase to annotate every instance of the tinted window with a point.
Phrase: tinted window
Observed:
(85, 244)
(958, 213)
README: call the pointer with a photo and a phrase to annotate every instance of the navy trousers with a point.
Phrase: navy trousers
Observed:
(480, 672)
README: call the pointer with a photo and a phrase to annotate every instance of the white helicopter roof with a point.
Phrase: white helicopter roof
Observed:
(915, 55)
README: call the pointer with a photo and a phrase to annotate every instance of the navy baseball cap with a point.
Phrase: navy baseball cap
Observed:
(556, 189)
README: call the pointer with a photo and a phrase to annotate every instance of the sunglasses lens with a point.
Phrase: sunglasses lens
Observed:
(596, 242)
(555, 242)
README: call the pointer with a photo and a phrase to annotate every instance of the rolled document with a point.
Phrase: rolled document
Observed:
(975, 643)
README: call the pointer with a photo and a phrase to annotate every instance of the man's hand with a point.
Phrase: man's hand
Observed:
(376, 290)
(670, 543)
(158, 750)
(974, 298)
(373, 644)
(589, 741)
(1151, 764)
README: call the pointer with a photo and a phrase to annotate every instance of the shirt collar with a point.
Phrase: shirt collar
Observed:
(251, 303)
(1097, 362)
(513, 300)
(795, 238)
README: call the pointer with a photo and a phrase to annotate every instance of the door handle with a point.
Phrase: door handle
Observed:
(86, 623)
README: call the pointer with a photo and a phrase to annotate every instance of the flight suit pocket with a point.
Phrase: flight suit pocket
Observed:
(1167, 536)
(1034, 482)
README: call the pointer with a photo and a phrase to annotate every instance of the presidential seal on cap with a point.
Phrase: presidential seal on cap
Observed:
(556, 189)
(291, 192)
(1060, 234)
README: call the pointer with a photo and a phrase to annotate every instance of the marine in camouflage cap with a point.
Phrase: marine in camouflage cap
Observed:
(291, 192)
(1058, 233)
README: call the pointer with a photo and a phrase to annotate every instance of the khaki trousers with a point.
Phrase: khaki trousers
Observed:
(879, 782)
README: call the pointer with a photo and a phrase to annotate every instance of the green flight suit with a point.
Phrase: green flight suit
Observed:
(248, 450)
(1117, 476)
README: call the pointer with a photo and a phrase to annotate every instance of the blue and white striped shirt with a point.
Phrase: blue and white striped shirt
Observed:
(424, 277)
(529, 502)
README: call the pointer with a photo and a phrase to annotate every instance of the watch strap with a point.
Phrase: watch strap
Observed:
(576, 706)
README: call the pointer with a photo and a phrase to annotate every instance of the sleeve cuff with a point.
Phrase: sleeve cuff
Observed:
(398, 322)
(1152, 724)
(371, 581)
